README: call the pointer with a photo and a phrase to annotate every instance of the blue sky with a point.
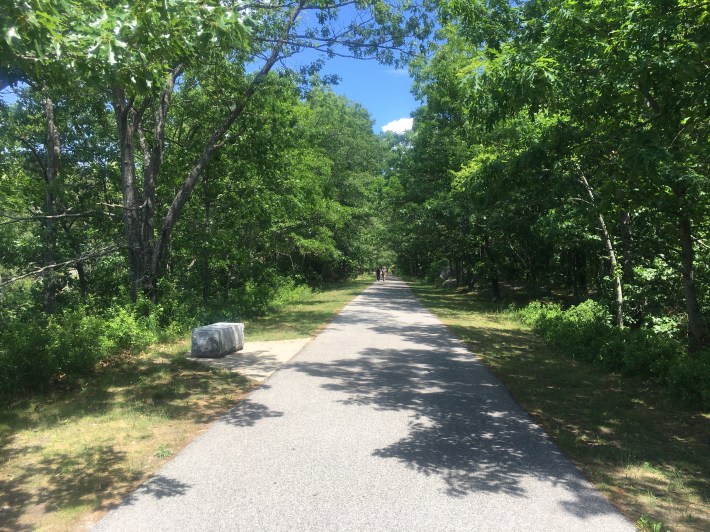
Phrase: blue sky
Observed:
(382, 90)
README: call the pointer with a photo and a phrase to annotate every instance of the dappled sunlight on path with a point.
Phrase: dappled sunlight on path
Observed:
(385, 421)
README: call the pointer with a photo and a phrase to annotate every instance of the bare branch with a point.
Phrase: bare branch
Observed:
(119, 206)
(325, 45)
(57, 265)
(216, 140)
(86, 214)
(700, 242)
(278, 7)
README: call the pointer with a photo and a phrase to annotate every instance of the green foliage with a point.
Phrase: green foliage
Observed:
(646, 524)
(37, 350)
(562, 146)
(290, 292)
(286, 205)
(133, 43)
(581, 330)
(689, 377)
(586, 331)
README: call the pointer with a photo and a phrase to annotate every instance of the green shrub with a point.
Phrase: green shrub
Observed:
(271, 291)
(123, 330)
(585, 331)
(74, 340)
(289, 292)
(37, 348)
(25, 360)
(689, 377)
(581, 330)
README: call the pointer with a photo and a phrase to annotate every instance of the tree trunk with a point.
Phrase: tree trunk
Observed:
(615, 273)
(205, 248)
(627, 241)
(580, 276)
(52, 148)
(146, 254)
(134, 244)
(152, 162)
(83, 283)
(495, 284)
(697, 328)
(211, 147)
(495, 287)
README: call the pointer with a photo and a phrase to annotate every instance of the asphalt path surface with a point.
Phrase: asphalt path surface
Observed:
(385, 421)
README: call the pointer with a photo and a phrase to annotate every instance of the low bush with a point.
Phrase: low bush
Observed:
(689, 377)
(289, 292)
(585, 331)
(37, 349)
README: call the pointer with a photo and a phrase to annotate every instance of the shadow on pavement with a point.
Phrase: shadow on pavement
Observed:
(247, 413)
(465, 427)
(158, 487)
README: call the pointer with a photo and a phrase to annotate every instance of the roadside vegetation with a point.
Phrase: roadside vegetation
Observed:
(562, 147)
(641, 445)
(559, 160)
(161, 167)
(69, 453)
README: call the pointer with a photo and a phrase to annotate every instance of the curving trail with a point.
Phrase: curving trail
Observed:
(383, 422)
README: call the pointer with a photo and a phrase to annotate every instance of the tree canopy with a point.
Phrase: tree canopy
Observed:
(162, 156)
(562, 146)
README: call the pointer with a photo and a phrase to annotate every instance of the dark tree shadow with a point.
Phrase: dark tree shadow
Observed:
(247, 413)
(158, 487)
(465, 427)
(94, 477)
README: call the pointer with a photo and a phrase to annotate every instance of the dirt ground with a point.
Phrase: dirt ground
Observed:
(258, 360)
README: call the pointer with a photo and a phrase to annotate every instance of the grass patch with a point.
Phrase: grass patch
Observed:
(307, 316)
(68, 456)
(647, 451)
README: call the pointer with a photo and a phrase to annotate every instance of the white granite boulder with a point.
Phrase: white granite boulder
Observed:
(217, 340)
(449, 283)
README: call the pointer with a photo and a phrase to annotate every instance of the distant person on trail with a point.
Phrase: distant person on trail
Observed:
(384, 274)
(378, 272)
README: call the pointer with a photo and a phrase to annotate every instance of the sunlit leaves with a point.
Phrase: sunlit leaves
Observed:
(132, 43)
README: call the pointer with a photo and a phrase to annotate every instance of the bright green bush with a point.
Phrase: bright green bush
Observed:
(271, 291)
(74, 341)
(25, 360)
(581, 330)
(122, 330)
(37, 349)
(289, 292)
(585, 331)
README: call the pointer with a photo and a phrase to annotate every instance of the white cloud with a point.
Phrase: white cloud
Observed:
(399, 126)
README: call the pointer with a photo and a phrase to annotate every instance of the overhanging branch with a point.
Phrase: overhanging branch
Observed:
(82, 258)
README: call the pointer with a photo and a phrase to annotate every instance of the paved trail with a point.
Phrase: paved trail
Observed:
(383, 422)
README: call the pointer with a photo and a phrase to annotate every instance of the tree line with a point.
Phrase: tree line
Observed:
(563, 145)
(162, 162)
(163, 165)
